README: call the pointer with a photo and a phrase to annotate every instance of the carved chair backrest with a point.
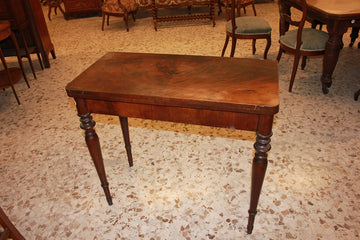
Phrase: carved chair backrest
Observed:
(299, 23)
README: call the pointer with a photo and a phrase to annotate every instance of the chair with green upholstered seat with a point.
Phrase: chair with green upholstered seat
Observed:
(246, 27)
(301, 42)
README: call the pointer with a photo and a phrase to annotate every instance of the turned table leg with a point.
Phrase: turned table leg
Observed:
(125, 130)
(333, 47)
(92, 141)
(259, 165)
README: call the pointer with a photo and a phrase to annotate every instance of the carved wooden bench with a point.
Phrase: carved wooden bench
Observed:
(154, 5)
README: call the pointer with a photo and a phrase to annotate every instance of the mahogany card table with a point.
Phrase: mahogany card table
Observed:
(210, 91)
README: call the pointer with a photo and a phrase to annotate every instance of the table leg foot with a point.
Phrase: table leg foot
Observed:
(107, 194)
(325, 89)
(251, 220)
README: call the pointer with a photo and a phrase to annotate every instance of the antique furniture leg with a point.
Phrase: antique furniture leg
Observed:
(225, 45)
(8, 75)
(92, 141)
(262, 146)
(268, 44)
(27, 52)
(10, 230)
(332, 51)
(154, 13)
(212, 12)
(125, 130)
(16, 45)
(356, 95)
(233, 46)
(354, 35)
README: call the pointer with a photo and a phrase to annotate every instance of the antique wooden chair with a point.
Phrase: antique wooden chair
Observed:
(119, 8)
(301, 42)
(246, 27)
(7, 229)
(54, 4)
(9, 76)
(24, 35)
(239, 4)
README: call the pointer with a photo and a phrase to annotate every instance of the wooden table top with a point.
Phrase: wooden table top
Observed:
(213, 83)
(336, 8)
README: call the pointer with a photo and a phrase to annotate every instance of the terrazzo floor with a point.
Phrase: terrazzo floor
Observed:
(188, 182)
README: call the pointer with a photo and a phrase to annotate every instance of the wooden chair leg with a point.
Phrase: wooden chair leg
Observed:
(13, 38)
(253, 7)
(108, 20)
(103, 21)
(58, 4)
(126, 20)
(356, 95)
(49, 13)
(9, 76)
(27, 52)
(354, 34)
(133, 15)
(225, 45)
(303, 62)
(293, 73)
(279, 54)
(253, 46)
(268, 44)
(40, 61)
(233, 46)
(7, 224)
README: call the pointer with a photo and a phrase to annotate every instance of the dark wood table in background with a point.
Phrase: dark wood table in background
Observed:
(211, 91)
(338, 15)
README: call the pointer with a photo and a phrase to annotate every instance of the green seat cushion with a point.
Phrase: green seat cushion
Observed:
(312, 39)
(250, 25)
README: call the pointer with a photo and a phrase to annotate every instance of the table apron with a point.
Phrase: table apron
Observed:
(223, 119)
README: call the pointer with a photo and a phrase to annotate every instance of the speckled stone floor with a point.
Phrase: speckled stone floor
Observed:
(188, 182)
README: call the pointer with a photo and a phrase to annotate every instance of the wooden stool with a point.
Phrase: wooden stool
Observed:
(9, 76)
(10, 230)
(54, 4)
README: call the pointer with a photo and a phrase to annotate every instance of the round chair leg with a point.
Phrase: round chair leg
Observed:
(233, 46)
(268, 44)
(253, 46)
(225, 45)
(103, 22)
(293, 73)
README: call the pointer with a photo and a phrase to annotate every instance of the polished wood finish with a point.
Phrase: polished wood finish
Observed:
(37, 35)
(338, 15)
(210, 91)
(80, 8)
(9, 230)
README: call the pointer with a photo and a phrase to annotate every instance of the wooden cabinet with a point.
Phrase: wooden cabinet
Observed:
(80, 8)
(27, 15)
